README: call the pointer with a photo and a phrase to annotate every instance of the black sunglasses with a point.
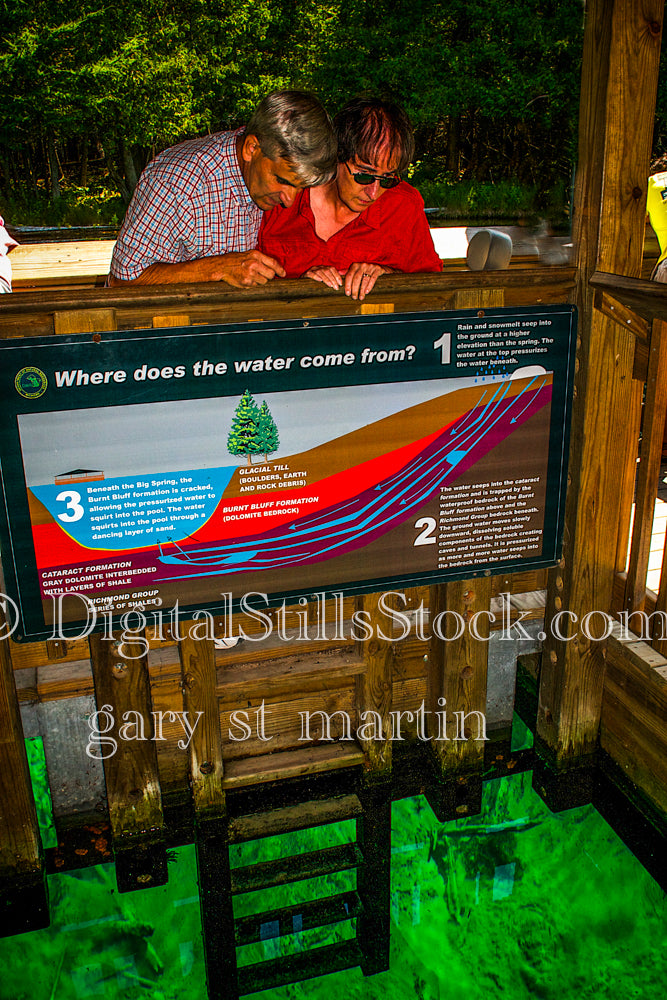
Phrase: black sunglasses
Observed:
(364, 179)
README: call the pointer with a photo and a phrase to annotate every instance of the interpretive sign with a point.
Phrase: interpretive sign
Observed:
(144, 468)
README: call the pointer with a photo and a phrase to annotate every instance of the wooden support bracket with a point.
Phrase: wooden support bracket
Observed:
(622, 314)
(217, 913)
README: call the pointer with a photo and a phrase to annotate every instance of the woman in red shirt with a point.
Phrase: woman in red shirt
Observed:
(366, 221)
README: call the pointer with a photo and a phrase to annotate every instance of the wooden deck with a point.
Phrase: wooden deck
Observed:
(61, 265)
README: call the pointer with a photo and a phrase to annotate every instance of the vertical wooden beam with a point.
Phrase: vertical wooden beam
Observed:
(201, 705)
(120, 674)
(374, 878)
(457, 673)
(479, 298)
(23, 900)
(628, 445)
(211, 830)
(457, 669)
(619, 79)
(374, 688)
(217, 913)
(375, 308)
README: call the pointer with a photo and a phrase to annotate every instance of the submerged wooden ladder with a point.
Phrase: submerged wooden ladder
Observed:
(368, 904)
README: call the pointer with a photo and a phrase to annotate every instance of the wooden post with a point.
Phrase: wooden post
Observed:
(457, 669)
(619, 79)
(374, 690)
(374, 878)
(23, 900)
(217, 913)
(120, 674)
(211, 829)
(176, 319)
(201, 705)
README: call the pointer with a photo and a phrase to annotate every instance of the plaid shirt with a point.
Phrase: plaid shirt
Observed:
(191, 202)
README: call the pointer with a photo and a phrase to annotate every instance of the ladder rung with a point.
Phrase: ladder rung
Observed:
(297, 967)
(303, 816)
(294, 869)
(298, 917)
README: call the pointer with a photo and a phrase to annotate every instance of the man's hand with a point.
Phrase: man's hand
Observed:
(328, 275)
(360, 279)
(242, 270)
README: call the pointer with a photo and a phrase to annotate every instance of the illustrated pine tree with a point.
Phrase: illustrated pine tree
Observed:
(268, 432)
(244, 436)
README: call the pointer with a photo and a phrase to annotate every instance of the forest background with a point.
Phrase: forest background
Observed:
(90, 91)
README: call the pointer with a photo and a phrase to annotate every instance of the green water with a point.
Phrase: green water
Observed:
(516, 903)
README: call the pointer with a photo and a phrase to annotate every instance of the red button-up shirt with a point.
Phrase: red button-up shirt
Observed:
(393, 232)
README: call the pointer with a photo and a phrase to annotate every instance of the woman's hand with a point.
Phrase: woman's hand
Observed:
(326, 274)
(360, 278)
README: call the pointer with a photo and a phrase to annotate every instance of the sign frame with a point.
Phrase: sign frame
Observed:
(45, 379)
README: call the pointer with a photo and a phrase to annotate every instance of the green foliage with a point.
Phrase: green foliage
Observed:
(469, 199)
(77, 206)
(91, 92)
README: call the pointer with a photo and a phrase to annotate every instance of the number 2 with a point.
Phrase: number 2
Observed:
(426, 537)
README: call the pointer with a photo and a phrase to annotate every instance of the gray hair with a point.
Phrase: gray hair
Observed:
(293, 126)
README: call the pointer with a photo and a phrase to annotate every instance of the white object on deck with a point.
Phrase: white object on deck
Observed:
(450, 242)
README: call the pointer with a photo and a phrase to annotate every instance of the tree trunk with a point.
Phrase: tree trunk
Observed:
(54, 169)
(453, 146)
(108, 149)
(84, 162)
(128, 166)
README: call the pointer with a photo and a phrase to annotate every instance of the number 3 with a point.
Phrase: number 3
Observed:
(425, 537)
(73, 505)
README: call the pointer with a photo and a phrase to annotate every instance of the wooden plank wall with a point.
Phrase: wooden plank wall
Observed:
(634, 714)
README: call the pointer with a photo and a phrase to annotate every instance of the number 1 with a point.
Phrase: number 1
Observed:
(445, 343)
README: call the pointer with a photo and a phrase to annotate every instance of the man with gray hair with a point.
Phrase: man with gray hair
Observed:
(196, 210)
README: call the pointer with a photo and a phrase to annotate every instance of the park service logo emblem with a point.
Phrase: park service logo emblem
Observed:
(31, 383)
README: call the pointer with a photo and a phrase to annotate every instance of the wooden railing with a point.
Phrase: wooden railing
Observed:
(34, 315)
(634, 707)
